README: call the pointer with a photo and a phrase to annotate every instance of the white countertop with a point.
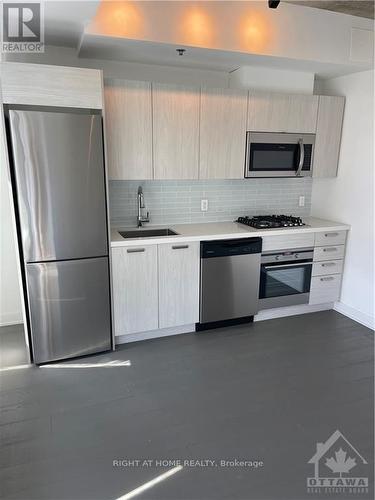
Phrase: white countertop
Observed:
(220, 231)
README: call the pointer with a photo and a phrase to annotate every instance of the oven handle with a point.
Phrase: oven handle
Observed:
(301, 157)
(288, 265)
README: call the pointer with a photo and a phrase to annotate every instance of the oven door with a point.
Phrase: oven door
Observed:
(284, 284)
(279, 155)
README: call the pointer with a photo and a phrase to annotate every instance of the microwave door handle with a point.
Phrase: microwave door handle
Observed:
(301, 157)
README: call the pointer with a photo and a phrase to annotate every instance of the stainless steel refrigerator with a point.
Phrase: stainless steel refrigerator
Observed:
(58, 177)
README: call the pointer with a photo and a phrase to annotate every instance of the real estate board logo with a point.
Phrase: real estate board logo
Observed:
(22, 27)
(338, 468)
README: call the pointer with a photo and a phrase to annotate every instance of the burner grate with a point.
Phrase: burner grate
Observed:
(271, 221)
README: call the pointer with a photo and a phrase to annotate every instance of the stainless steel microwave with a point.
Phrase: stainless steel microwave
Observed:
(270, 154)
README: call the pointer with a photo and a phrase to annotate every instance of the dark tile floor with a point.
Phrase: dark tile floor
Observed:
(263, 392)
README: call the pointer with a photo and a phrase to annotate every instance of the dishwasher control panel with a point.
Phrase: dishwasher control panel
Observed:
(223, 248)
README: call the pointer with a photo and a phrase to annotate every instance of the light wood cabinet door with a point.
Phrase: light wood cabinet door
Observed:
(178, 284)
(175, 131)
(135, 288)
(328, 136)
(44, 85)
(222, 134)
(282, 113)
(128, 129)
(325, 289)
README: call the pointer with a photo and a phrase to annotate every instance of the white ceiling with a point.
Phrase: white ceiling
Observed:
(65, 23)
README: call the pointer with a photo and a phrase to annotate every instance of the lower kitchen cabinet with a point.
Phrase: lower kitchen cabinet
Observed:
(325, 289)
(135, 288)
(327, 268)
(155, 286)
(331, 252)
(178, 284)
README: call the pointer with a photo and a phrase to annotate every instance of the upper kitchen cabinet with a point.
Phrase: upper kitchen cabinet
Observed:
(222, 133)
(175, 131)
(328, 136)
(282, 113)
(44, 85)
(128, 129)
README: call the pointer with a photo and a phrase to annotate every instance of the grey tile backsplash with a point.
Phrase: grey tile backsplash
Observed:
(172, 202)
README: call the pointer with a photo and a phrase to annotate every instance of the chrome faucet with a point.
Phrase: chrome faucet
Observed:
(141, 204)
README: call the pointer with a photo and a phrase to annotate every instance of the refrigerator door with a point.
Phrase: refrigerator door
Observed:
(59, 170)
(69, 308)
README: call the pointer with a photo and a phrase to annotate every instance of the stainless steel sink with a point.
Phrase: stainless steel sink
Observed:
(147, 233)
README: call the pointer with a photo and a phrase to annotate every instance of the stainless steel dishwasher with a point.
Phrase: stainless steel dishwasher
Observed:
(229, 282)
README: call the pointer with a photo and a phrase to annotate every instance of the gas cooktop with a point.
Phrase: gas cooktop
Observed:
(271, 221)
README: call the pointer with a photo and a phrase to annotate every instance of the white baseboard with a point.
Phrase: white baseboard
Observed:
(281, 312)
(153, 334)
(354, 314)
(7, 319)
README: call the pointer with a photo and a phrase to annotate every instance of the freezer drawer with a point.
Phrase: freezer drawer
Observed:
(59, 171)
(69, 308)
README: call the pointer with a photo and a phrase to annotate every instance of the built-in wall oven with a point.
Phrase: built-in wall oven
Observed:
(270, 154)
(285, 278)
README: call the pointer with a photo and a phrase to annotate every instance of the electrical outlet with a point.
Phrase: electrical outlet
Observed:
(204, 205)
(301, 201)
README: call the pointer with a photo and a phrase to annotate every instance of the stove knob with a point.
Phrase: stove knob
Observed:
(277, 257)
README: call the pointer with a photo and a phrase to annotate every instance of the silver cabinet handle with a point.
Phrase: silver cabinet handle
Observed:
(328, 278)
(330, 249)
(179, 247)
(327, 235)
(328, 264)
(135, 250)
(301, 157)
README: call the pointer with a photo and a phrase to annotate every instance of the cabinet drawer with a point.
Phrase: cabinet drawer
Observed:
(287, 242)
(329, 267)
(330, 238)
(325, 289)
(329, 253)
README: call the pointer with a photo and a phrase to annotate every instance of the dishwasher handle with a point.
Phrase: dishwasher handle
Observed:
(226, 248)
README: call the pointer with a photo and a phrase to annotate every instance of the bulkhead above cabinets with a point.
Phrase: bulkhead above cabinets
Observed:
(161, 131)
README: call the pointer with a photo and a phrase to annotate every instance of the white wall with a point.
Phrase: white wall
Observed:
(272, 80)
(10, 299)
(349, 198)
